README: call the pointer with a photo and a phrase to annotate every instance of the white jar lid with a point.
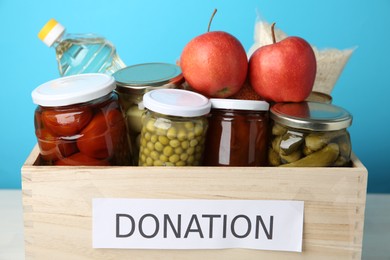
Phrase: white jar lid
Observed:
(239, 104)
(73, 89)
(177, 102)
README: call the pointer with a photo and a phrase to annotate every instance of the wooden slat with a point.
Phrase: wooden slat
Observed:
(57, 206)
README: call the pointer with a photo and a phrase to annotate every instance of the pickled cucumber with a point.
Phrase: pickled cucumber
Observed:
(278, 129)
(317, 141)
(273, 158)
(322, 158)
(172, 143)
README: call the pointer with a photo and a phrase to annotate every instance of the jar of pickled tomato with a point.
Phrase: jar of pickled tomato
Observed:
(133, 82)
(238, 133)
(78, 121)
(173, 128)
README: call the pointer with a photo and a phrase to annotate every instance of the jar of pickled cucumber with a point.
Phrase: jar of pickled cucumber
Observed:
(173, 128)
(133, 82)
(238, 133)
(78, 121)
(309, 134)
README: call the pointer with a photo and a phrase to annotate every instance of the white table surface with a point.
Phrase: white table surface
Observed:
(376, 242)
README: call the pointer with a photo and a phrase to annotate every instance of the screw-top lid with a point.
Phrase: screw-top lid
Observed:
(312, 116)
(141, 78)
(73, 89)
(177, 102)
(238, 104)
(50, 32)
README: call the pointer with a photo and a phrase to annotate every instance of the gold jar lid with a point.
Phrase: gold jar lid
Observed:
(141, 78)
(312, 116)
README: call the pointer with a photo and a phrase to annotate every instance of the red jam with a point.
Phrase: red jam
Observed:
(237, 134)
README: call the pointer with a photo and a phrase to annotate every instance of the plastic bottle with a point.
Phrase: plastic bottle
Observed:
(80, 53)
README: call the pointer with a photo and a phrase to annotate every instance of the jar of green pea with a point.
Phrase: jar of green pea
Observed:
(173, 128)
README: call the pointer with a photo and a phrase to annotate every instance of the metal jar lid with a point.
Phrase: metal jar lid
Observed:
(312, 116)
(141, 78)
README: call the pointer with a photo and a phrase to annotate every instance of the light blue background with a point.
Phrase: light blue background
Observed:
(147, 31)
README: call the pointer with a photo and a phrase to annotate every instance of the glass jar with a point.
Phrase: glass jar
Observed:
(238, 133)
(78, 121)
(174, 128)
(133, 82)
(309, 134)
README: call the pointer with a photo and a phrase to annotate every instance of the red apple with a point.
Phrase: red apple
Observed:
(283, 71)
(214, 64)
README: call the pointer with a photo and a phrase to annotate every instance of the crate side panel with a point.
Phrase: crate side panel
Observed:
(57, 204)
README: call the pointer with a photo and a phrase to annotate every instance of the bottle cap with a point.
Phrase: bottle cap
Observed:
(177, 102)
(50, 32)
(73, 89)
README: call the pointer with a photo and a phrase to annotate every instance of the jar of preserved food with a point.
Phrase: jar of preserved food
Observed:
(238, 133)
(173, 128)
(309, 134)
(78, 121)
(133, 82)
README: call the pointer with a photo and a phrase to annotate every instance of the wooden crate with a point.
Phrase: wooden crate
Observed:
(57, 205)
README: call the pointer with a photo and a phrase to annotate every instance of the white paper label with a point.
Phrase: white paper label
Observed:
(197, 224)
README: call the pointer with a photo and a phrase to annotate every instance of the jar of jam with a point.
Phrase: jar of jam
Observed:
(78, 121)
(238, 133)
(309, 134)
(133, 82)
(174, 128)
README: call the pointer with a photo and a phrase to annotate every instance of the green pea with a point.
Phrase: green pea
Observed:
(178, 150)
(174, 143)
(150, 126)
(171, 133)
(150, 146)
(193, 142)
(174, 158)
(189, 125)
(180, 163)
(149, 161)
(190, 150)
(158, 163)
(155, 155)
(168, 151)
(183, 157)
(158, 146)
(154, 138)
(147, 136)
(198, 130)
(163, 158)
(163, 140)
(182, 135)
(185, 144)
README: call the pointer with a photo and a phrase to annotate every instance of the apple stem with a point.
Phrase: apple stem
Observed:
(273, 33)
(211, 19)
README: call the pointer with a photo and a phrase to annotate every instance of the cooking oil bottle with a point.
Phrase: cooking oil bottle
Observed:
(80, 53)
